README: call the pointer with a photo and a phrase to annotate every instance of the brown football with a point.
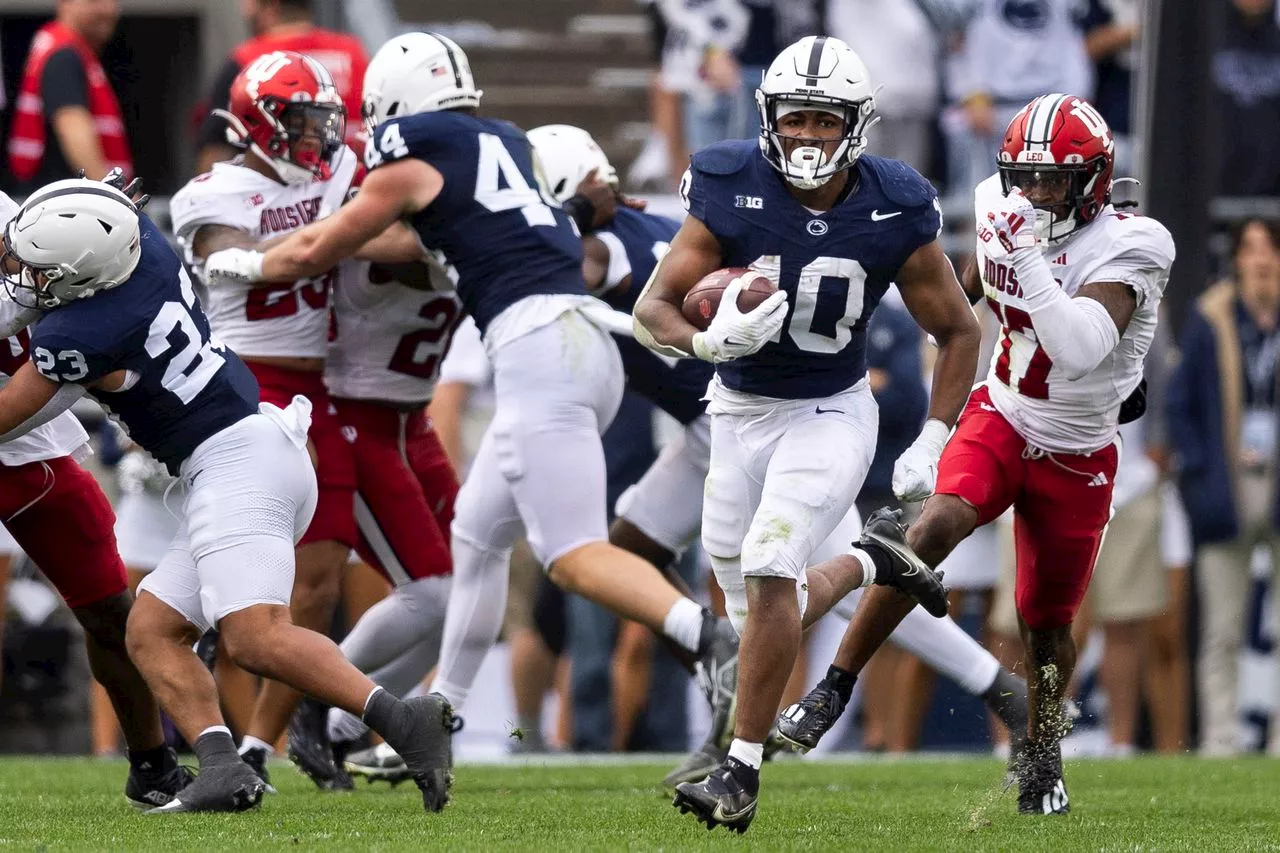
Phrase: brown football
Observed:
(702, 302)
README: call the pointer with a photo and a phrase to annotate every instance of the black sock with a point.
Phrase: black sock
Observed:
(214, 748)
(879, 556)
(1007, 699)
(380, 711)
(841, 681)
(153, 761)
(707, 635)
(748, 777)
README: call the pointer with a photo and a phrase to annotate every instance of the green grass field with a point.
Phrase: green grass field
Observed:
(1142, 804)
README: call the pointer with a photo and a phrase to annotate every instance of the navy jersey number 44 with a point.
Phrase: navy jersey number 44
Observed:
(181, 386)
(834, 265)
(493, 220)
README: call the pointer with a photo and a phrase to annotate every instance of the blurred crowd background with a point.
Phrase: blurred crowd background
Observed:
(1177, 643)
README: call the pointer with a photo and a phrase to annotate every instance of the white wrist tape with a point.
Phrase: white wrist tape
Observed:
(1077, 334)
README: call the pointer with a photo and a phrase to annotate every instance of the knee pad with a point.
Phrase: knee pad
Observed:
(724, 513)
(729, 575)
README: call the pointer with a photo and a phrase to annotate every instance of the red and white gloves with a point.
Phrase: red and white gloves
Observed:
(1010, 225)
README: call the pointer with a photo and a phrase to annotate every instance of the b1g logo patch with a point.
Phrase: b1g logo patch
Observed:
(750, 202)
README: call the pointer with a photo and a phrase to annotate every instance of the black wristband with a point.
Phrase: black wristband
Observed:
(581, 211)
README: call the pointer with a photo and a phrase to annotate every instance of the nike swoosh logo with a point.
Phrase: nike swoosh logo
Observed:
(821, 411)
(730, 342)
(877, 216)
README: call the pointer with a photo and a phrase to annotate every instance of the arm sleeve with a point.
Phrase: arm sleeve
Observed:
(1076, 333)
(213, 129)
(63, 83)
(62, 400)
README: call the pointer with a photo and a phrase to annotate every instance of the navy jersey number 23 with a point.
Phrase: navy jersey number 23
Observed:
(834, 265)
(182, 386)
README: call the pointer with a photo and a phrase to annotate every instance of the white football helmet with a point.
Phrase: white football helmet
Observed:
(567, 155)
(817, 73)
(70, 240)
(417, 73)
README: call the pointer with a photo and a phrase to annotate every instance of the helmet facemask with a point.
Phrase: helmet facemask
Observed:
(808, 166)
(308, 137)
(1062, 194)
(33, 285)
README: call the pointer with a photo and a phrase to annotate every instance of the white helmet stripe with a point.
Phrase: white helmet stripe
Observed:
(321, 73)
(1040, 123)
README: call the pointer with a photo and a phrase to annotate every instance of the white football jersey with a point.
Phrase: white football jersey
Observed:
(1052, 412)
(285, 319)
(390, 338)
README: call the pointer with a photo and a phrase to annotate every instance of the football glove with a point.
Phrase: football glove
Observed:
(915, 474)
(733, 334)
(1010, 225)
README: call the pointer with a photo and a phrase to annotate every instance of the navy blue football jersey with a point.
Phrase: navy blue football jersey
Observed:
(494, 221)
(636, 241)
(183, 386)
(835, 266)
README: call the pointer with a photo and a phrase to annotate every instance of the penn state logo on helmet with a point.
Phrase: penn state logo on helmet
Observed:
(1059, 151)
(816, 73)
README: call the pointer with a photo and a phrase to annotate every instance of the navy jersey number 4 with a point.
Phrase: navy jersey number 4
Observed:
(834, 266)
(181, 386)
(493, 219)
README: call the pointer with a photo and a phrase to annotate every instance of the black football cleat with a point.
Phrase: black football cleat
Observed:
(1041, 788)
(908, 573)
(719, 800)
(804, 723)
(717, 678)
(146, 790)
(310, 750)
(378, 763)
(257, 759)
(230, 787)
(425, 742)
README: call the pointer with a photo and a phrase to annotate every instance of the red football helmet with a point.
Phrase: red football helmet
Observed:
(1059, 151)
(285, 108)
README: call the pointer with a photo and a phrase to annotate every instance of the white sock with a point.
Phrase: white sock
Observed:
(945, 648)
(750, 754)
(868, 566)
(683, 623)
(249, 742)
(473, 620)
(219, 729)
